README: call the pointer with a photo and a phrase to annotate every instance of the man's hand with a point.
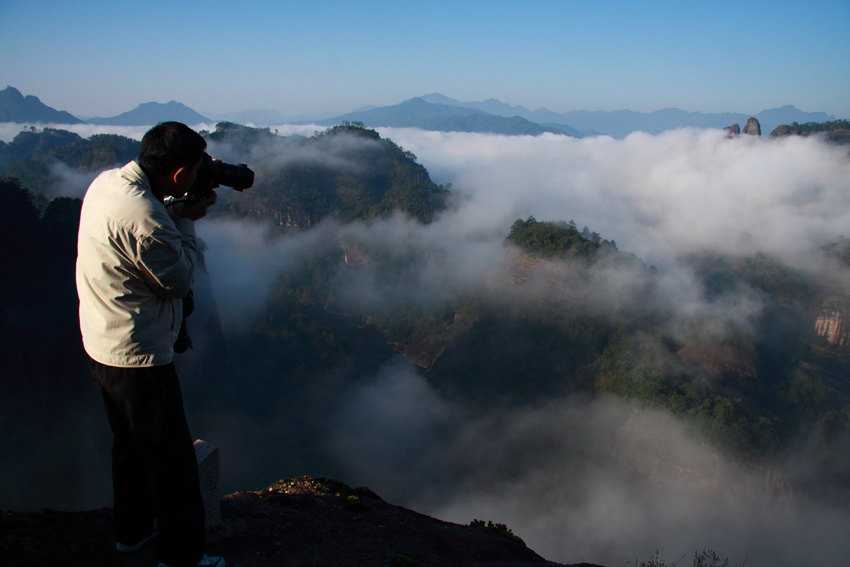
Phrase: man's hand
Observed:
(195, 210)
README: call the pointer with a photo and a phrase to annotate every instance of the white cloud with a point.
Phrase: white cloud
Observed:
(556, 474)
(658, 196)
(661, 197)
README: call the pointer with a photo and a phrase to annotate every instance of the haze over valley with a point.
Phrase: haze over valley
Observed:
(376, 326)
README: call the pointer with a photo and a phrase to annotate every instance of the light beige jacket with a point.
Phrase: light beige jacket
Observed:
(134, 265)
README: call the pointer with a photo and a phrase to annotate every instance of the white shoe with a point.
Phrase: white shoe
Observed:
(124, 548)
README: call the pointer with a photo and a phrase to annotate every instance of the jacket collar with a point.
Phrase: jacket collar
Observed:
(134, 172)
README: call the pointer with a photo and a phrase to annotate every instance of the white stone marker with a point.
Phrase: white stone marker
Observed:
(207, 455)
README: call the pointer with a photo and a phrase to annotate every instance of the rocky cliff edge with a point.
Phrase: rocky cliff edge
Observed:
(304, 521)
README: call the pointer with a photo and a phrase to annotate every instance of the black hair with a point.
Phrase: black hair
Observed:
(168, 146)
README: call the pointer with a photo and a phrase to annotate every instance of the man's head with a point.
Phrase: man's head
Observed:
(170, 155)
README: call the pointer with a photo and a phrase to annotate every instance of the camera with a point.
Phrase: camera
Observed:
(214, 173)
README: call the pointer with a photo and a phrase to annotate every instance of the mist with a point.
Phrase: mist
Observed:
(549, 470)
(660, 197)
(552, 470)
(8, 130)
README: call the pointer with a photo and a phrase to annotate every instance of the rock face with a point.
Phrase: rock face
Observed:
(653, 446)
(753, 127)
(781, 130)
(832, 324)
(720, 361)
(285, 216)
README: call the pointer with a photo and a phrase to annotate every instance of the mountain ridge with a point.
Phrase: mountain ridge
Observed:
(433, 111)
(619, 123)
(419, 113)
(15, 107)
(149, 113)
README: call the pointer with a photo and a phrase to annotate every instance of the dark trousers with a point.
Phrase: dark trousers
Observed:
(154, 468)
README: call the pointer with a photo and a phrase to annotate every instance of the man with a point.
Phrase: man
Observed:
(135, 263)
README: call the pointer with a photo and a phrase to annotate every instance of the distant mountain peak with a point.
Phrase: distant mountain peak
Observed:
(13, 93)
(437, 98)
(150, 113)
(15, 107)
(437, 112)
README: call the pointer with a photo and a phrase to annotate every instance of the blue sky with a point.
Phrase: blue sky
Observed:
(300, 58)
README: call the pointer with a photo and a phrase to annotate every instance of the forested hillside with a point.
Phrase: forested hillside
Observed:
(346, 171)
(837, 131)
(299, 180)
(747, 395)
(32, 156)
(353, 288)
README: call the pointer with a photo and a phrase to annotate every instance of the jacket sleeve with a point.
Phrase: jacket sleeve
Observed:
(167, 258)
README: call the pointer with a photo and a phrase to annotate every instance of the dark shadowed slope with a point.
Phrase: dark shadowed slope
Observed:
(304, 521)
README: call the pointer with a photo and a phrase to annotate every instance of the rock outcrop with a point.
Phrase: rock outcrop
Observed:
(286, 216)
(832, 324)
(779, 131)
(298, 521)
(753, 127)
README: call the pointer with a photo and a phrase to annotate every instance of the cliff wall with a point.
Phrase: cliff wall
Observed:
(832, 324)
(653, 446)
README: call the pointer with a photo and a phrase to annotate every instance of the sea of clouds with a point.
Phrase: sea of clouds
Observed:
(546, 470)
